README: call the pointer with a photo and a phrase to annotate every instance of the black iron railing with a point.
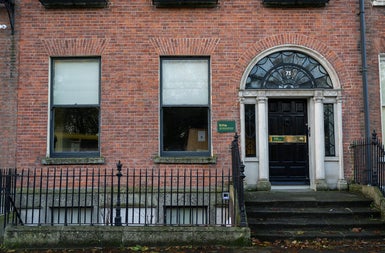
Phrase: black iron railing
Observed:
(80, 196)
(124, 196)
(369, 162)
(238, 169)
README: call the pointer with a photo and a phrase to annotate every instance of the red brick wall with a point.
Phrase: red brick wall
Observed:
(8, 91)
(131, 35)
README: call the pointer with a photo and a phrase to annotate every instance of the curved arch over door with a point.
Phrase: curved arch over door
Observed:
(288, 70)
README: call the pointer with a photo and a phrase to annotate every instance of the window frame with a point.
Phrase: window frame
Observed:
(381, 77)
(75, 154)
(164, 153)
(250, 127)
(331, 146)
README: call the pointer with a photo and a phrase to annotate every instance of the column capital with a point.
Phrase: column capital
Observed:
(261, 99)
(318, 98)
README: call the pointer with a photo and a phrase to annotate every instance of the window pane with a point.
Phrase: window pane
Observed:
(382, 79)
(186, 215)
(329, 130)
(382, 90)
(76, 129)
(250, 130)
(288, 70)
(76, 82)
(185, 82)
(185, 129)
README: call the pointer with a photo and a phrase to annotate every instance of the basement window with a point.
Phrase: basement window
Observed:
(186, 215)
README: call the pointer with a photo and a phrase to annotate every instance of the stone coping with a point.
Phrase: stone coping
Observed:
(113, 236)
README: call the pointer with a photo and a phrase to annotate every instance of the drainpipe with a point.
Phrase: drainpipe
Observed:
(365, 87)
(364, 68)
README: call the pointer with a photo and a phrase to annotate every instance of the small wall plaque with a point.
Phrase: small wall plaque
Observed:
(226, 126)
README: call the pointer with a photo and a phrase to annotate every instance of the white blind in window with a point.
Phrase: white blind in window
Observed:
(76, 82)
(185, 82)
(382, 78)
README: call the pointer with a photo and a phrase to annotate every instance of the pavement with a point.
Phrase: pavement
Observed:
(318, 245)
(285, 246)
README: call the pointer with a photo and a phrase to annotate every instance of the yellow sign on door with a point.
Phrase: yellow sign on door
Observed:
(287, 138)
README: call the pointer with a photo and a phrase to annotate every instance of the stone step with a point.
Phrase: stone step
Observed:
(309, 204)
(313, 212)
(306, 215)
(353, 234)
(299, 200)
(306, 223)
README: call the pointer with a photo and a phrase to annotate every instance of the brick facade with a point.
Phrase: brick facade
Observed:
(131, 36)
(8, 93)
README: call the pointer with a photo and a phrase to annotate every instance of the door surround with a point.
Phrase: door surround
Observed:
(257, 168)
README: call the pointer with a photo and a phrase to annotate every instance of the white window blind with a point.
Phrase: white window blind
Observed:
(185, 82)
(76, 82)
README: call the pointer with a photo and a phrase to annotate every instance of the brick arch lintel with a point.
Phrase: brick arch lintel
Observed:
(75, 47)
(185, 46)
(294, 41)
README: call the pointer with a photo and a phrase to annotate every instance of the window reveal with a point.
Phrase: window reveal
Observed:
(185, 106)
(75, 107)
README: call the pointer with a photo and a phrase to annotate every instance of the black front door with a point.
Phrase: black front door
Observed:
(288, 142)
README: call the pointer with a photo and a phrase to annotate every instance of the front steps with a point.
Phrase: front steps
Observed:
(308, 215)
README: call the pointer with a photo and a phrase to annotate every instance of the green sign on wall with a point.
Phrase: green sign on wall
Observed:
(226, 126)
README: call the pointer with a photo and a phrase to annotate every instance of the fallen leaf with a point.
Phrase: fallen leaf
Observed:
(356, 230)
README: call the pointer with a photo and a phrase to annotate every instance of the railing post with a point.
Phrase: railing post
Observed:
(241, 195)
(118, 218)
(238, 177)
(234, 161)
(374, 163)
(7, 198)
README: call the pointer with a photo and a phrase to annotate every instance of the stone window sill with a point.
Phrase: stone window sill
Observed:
(186, 160)
(72, 160)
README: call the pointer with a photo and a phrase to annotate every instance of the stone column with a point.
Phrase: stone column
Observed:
(242, 131)
(341, 184)
(263, 183)
(319, 141)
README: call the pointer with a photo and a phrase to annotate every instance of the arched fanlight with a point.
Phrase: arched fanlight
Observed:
(288, 70)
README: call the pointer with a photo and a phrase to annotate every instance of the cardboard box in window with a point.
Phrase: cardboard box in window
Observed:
(197, 140)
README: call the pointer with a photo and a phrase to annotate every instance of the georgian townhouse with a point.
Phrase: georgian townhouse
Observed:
(167, 84)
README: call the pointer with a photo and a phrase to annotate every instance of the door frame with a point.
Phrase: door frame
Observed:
(256, 170)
